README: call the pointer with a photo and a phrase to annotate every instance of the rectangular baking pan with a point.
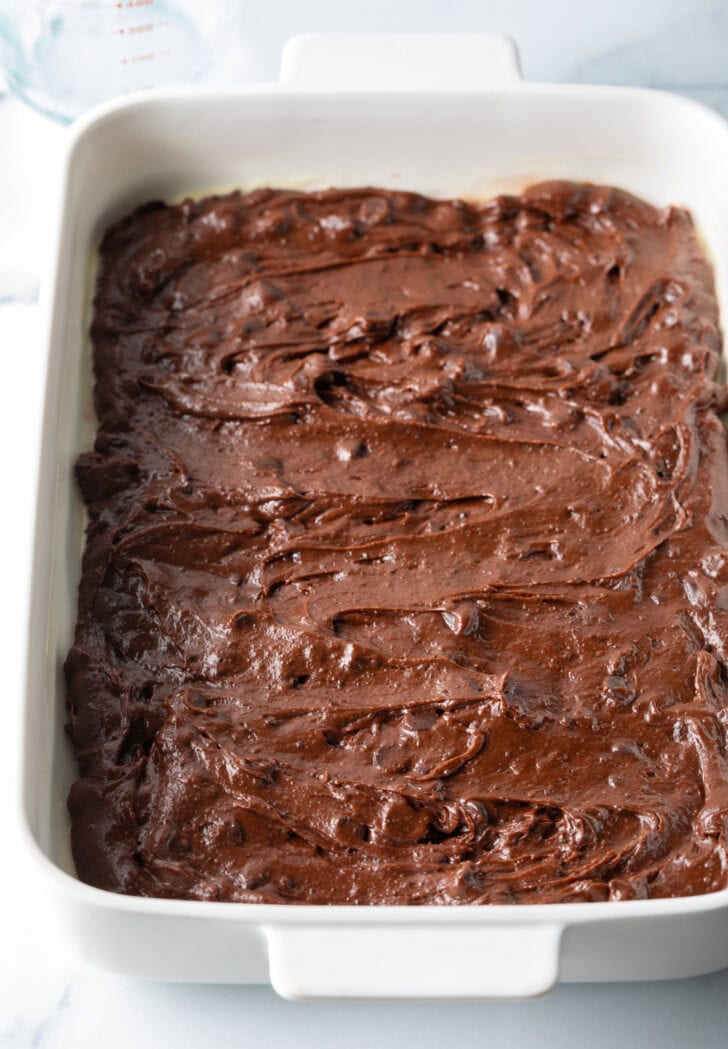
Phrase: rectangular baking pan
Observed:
(445, 115)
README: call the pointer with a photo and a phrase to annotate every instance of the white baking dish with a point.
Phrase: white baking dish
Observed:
(443, 115)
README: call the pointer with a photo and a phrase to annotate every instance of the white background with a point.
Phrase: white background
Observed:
(48, 998)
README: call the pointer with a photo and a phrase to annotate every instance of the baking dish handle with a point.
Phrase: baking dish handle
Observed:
(406, 961)
(399, 61)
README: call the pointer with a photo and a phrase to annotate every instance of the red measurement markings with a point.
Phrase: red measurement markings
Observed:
(146, 27)
(148, 56)
(135, 3)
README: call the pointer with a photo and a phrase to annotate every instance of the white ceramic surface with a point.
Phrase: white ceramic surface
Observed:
(333, 121)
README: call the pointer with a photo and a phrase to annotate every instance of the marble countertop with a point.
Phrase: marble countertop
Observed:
(48, 997)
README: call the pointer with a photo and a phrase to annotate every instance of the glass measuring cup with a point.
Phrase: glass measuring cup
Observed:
(63, 56)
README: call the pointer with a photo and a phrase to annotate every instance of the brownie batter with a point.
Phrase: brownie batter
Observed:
(406, 575)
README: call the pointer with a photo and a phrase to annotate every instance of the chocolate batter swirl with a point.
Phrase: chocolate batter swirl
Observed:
(406, 577)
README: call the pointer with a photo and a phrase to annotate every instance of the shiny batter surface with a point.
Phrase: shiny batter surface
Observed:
(406, 578)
